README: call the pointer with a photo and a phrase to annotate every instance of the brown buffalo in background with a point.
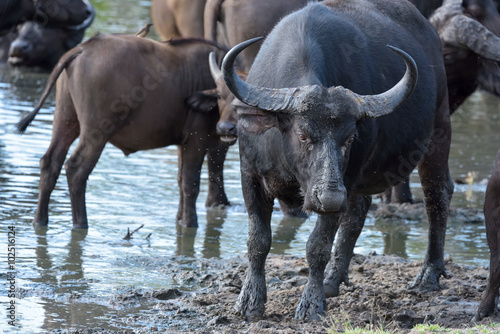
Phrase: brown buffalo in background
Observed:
(142, 95)
(178, 18)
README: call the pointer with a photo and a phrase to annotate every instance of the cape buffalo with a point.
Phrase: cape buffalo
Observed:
(323, 121)
(178, 18)
(492, 218)
(71, 14)
(37, 45)
(137, 94)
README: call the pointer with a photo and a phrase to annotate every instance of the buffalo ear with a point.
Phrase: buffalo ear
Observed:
(203, 101)
(255, 120)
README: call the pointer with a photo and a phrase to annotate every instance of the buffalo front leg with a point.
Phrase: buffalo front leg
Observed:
(78, 168)
(438, 189)
(318, 252)
(351, 225)
(190, 163)
(215, 160)
(253, 295)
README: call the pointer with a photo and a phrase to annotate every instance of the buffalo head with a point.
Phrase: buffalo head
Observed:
(226, 127)
(41, 46)
(317, 125)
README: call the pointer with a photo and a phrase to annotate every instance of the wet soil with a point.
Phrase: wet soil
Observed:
(377, 296)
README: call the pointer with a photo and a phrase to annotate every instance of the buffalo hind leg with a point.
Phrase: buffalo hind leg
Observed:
(438, 190)
(78, 168)
(252, 299)
(64, 133)
(318, 252)
(351, 225)
(190, 164)
(215, 161)
(489, 302)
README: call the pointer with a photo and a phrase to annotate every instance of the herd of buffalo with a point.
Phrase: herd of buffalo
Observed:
(330, 101)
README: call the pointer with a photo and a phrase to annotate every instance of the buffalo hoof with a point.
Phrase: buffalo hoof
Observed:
(252, 299)
(332, 282)
(428, 278)
(311, 306)
(40, 222)
(487, 307)
(187, 220)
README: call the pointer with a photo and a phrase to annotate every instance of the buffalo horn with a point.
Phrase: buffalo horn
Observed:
(385, 103)
(476, 37)
(214, 68)
(88, 21)
(270, 99)
(289, 99)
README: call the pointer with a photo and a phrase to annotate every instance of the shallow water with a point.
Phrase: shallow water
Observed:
(66, 277)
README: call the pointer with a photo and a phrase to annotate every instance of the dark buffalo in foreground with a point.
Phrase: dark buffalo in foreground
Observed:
(70, 14)
(327, 119)
(492, 221)
(41, 46)
(178, 18)
(142, 95)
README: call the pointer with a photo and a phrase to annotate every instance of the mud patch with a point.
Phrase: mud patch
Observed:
(377, 295)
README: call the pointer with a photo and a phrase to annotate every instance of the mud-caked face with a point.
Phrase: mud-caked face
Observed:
(317, 144)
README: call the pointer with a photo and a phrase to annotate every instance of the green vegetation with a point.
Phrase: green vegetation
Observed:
(343, 325)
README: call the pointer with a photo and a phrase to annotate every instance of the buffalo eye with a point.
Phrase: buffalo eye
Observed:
(302, 138)
(347, 144)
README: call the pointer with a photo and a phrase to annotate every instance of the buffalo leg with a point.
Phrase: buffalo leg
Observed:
(190, 163)
(215, 160)
(64, 132)
(398, 194)
(78, 168)
(351, 224)
(490, 298)
(318, 253)
(438, 189)
(492, 219)
(253, 295)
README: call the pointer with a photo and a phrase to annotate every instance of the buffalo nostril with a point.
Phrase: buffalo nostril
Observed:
(18, 48)
(226, 128)
(331, 201)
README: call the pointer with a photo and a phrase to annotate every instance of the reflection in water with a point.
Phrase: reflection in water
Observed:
(395, 233)
(185, 240)
(213, 231)
(285, 233)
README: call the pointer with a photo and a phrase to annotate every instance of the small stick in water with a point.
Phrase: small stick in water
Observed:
(129, 234)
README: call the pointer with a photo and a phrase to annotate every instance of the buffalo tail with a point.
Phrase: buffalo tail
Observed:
(61, 65)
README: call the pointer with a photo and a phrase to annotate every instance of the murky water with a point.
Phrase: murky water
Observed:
(56, 266)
